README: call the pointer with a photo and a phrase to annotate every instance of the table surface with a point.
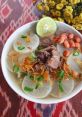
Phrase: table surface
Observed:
(13, 14)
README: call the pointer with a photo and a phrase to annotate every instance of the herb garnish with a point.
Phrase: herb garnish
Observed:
(31, 77)
(15, 68)
(76, 53)
(60, 86)
(21, 47)
(28, 89)
(23, 36)
(39, 84)
(60, 75)
(78, 9)
(40, 78)
(23, 74)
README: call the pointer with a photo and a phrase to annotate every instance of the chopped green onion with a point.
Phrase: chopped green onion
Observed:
(40, 83)
(40, 78)
(32, 56)
(21, 47)
(37, 85)
(23, 74)
(76, 53)
(15, 68)
(60, 86)
(23, 36)
(60, 74)
(40, 47)
(31, 77)
(28, 89)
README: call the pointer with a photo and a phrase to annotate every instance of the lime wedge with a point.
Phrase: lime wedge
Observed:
(46, 27)
(22, 46)
(40, 92)
(67, 85)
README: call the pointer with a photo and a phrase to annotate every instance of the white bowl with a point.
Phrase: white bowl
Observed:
(11, 79)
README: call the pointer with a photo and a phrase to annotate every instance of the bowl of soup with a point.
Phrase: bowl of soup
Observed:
(42, 61)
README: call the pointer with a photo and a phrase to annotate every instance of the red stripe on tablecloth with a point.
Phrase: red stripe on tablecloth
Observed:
(58, 109)
(31, 108)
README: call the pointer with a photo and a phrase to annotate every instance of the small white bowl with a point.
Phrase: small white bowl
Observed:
(11, 79)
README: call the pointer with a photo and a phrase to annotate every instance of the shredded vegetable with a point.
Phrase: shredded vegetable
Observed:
(37, 85)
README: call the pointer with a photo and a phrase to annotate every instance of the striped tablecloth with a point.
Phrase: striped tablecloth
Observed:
(13, 14)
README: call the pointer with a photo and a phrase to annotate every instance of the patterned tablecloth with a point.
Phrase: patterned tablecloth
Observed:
(13, 14)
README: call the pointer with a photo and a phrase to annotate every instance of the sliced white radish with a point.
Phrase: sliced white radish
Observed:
(73, 64)
(55, 90)
(61, 49)
(22, 46)
(9, 65)
(68, 86)
(12, 59)
(22, 57)
(41, 92)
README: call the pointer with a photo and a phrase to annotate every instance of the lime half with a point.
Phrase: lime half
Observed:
(46, 27)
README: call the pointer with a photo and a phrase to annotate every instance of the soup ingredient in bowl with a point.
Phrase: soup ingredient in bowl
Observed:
(12, 59)
(26, 44)
(41, 89)
(46, 27)
(73, 60)
(50, 56)
(62, 88)
(79, 63)
(66, 53)
(68, 40)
